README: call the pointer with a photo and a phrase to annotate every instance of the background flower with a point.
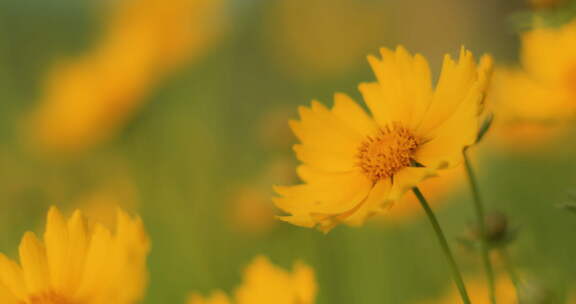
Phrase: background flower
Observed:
(263, 282)
(78, 262)
(86, 99)
(535, 103)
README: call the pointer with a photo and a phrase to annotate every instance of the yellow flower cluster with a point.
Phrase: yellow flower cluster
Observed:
(81, 261)
(356, 165)
(265, 283)
(78, 262)
(86, 99)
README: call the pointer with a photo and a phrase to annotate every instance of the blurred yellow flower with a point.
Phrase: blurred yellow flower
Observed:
(78, 262)
(87, 99)
(266, 283)
(355, 166)
(534, 102)
(251, 211)
(478, 292)
(217, 297)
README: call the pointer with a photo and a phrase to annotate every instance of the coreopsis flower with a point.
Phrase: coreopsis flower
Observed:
(78, 262)
(355, 165)
(85, 100)
(478, 292)
(535, 101)
(266, 283)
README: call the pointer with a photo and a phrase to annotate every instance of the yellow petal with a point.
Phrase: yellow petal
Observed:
(353, 115)
(445, 147)
(304, 282)
(374, 99)
(78, 242)
(420, 88)
(99, 260)
(327, 142)
(264, 282)
(454, 85)
(6, 296)
(34, 264)
(377, 201)
(12, 278)
(57, 252)
(408, 178)
(405, 85)
(134, 247)
(329, 194)
(484, 82)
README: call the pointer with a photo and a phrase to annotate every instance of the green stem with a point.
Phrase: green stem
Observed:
(444, 245)
(480, 217)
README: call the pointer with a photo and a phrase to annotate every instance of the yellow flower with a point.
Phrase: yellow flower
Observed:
(478, 292)
(78, 262)
(536, 100)
(217, 297)
(356, 165)
(265, 283)
(251, 211)
(87, 99)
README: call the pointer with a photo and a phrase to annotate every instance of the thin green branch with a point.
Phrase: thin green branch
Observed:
(444, 246)
(480, 218)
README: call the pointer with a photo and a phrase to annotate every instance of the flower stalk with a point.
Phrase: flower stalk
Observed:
(457, 276)
(480, 218)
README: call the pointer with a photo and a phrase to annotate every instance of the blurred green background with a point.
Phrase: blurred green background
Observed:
(214, 129)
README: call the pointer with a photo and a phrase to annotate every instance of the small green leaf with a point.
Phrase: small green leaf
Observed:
(485, 127)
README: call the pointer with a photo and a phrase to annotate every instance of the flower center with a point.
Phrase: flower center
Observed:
(48, 298)
(391, 149)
